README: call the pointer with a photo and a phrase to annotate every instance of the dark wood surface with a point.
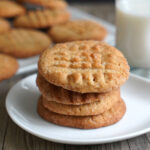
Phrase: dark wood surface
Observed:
(13, 137)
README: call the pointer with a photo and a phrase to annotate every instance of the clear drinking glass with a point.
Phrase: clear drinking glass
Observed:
(133, 33)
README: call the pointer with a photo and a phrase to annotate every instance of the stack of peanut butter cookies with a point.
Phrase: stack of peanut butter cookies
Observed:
(80, 84)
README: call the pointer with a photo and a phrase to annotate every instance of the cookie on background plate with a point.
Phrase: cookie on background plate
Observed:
(4, 26)
(42, 18)
(77, 30)
(84, 66)
(63, 96)
(54, 4)
(10, 9)
(84, 122)
(8, 66)
(22, 43)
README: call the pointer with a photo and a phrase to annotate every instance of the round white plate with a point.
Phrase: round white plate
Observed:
(21, 105)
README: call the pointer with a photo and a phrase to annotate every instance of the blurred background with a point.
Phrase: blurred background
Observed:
(104, 9)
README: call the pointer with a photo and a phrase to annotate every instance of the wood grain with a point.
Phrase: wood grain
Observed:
(14, 138)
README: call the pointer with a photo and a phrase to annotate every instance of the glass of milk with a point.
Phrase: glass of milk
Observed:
(133, 33)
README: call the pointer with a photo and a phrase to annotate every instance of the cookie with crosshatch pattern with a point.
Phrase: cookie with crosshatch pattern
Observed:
(77, 30)
(54, 4)
(84, 66)
(107, 118)
(42, 18)
(4, 26)
(8, 66)
(10, 9)
(23, 43)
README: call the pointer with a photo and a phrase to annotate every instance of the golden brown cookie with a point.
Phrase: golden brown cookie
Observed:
(77, 30)
(4, 26)
(54, 4)
(42, 18)
(90, 109)
(8, 66)
(10, 9)
(84, 66)
(63, 96)
(84, 122)
(23, 43)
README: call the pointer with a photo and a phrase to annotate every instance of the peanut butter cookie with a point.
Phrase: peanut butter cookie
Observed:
(23, 43)
(84, 122)
(77, 30)
(42, 18)
(63, 96)
(90, 109)
(10, 9)
(84, 66)
(8, 66)
(54, 4)
(4, 25)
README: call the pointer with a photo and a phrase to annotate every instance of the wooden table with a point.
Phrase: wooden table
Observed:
(13, 137)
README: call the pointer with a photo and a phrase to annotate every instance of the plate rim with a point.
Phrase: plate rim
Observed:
(70, 140)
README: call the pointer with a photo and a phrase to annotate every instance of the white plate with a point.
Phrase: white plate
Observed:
(21, 104)
(30, 64)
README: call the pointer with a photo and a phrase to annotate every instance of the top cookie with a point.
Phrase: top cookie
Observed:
(4, 25)
(42, 18)
(84, 66)
(78, 30)
(10, 9)
(8, 66)
(54, 4)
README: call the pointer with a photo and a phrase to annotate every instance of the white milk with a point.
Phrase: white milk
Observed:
(133, 31)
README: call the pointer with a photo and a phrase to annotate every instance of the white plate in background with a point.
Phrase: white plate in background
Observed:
(21, 105)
